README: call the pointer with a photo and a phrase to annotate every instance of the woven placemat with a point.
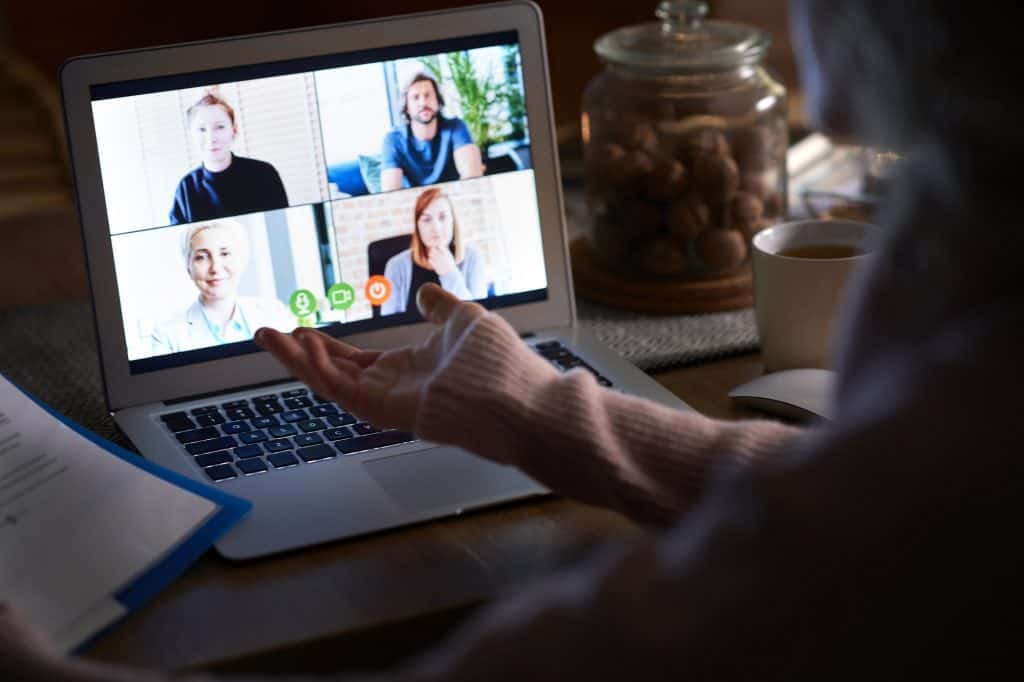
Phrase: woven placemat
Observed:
(50, 351)
(657, 342)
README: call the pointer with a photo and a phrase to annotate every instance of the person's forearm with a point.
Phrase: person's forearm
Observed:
(497, 398)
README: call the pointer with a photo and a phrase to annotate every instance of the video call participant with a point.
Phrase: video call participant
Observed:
(224, 184)
(435, 254)
(216, 258)
(429, 148)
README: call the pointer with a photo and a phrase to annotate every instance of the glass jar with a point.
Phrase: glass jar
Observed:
(685, 143)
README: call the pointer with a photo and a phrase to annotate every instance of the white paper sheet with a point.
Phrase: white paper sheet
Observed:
(77, 523)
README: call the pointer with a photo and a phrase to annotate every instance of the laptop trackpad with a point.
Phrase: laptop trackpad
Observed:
(445, 478)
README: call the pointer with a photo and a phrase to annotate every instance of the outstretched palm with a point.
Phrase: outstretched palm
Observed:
(383, 387)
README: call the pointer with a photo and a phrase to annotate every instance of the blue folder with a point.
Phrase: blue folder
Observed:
(231, 510)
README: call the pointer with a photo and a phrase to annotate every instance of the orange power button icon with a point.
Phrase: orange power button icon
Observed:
(378, 289)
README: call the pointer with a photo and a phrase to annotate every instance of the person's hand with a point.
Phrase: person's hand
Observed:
(441, 260)
(383, 387)
(22, 647)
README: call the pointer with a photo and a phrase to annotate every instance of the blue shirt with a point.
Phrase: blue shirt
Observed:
(425, 162)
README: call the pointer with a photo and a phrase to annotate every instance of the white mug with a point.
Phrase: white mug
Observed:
(796, 297)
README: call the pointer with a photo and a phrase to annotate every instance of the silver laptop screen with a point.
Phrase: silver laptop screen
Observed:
(316, 192)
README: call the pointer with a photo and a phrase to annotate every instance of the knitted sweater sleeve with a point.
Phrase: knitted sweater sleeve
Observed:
(499, 399)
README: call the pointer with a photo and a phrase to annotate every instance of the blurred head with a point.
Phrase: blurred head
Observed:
(436, 227)
(216, 256)
(421, 99)
(894, 73)
(211, 122)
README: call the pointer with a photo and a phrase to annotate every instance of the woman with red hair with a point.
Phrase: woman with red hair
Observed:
(435, 254)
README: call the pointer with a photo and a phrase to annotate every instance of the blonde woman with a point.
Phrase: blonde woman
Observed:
(216, 257)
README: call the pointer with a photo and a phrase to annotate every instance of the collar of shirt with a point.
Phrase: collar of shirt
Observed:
(236, 328)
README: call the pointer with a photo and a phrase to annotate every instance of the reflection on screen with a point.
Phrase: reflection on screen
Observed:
(315, 193)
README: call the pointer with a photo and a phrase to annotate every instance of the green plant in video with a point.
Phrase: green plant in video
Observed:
(490, 108)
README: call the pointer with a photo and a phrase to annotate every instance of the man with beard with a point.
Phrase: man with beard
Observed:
(429, 148)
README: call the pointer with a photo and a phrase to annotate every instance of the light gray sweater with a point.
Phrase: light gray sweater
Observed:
(468, 281)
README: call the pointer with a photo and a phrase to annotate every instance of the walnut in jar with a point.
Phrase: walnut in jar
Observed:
(687, 218)
(722, 249)
(667, 180)
(716, 177)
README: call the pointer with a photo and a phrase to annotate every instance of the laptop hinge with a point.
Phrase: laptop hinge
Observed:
(236, 389)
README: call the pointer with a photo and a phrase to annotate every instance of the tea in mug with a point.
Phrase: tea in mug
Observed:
(823, 251)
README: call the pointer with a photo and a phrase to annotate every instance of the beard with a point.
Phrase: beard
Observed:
(426, 116)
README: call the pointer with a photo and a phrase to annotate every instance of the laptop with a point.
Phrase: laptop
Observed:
(317, 177)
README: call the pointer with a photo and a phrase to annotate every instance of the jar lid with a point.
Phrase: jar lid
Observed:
(683, 42)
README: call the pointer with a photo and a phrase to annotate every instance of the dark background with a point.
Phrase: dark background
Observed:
(47, 34)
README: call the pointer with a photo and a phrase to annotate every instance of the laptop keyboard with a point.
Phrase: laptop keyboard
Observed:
(564, 359)
(273, 431)
(296, 427)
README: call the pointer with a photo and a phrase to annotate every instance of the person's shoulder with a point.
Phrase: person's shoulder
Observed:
(261, 304)
(399, 259)
(397, 133)
(246, 163)
(191, 179)
(452, 123)
(266, 312)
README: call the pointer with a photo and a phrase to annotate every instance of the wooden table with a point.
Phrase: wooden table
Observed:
(370, 602)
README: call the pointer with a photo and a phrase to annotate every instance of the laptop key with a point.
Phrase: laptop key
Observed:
(212, 445)
(323, 410)
(375, 440)
(252, 437)
(320, 400)
(211, 419)
(308, 439)
(264, 422)
(548, 345)
(235, 404)
(294, 416)
(251, 466)
(238, 413)
(294, 392)
(220, 473)
(316, 453)
(177, 426)
(268, 398)
(173, 416)
(235, 427)
(282, 431)
(365, 429)
(280, 460)
(213, 459)
(247, 451)
(279, 445)
(269, 408)
(206, 409)
(297, 403)
(343, 419)
(340, 433)
(312, 425)
(197, 435)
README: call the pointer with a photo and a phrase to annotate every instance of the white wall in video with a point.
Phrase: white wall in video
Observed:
(215, 151)
(200, 285)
